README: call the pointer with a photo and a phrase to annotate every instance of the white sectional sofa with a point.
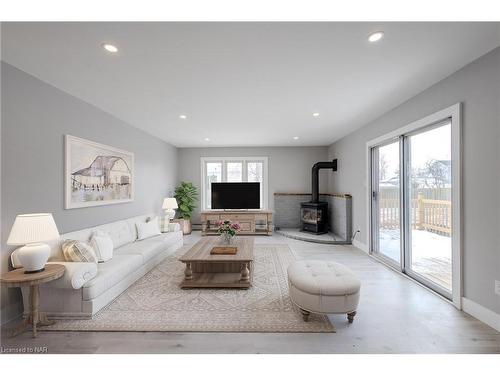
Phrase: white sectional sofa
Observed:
(86, 288)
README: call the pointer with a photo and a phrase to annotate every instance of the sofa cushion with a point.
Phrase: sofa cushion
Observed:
(170, 238)
(103, 245)
(110, 273)
(56, 253)
(120, 232)
(151, 247)
(137, 219)
(147, 230)
(78, 251)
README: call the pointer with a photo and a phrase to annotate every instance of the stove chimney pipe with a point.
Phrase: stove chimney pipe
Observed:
(315, 176)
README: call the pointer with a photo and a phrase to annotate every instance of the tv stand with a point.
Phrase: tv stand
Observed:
(252, 222)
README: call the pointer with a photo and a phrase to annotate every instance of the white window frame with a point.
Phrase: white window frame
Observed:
(454, 113)
(228, 159)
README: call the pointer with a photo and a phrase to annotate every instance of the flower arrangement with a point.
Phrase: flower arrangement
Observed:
(228, 227)
(227, 230)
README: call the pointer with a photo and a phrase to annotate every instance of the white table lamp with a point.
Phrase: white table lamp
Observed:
(170, 205)
(32, 230)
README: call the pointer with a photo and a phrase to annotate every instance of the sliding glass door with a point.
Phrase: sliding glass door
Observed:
(411, 205)
(386, 201)
(429, 212)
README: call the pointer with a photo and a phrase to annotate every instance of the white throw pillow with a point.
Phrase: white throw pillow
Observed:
(103, 246)
(149, 229)
(78, 251)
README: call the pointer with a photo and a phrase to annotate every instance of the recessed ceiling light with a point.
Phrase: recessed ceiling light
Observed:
(295, 138)
(110, 48)
(207, 139)
(376, 36)
(315, 114)
(183, 117)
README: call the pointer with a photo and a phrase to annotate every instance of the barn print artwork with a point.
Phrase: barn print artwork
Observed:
(97, 174)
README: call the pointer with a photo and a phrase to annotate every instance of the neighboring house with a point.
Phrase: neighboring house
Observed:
(390, 182)
(104, 170)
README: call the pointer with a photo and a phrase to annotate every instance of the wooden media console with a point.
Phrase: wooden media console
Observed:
(252, 222)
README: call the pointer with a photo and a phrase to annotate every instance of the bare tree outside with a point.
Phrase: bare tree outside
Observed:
(436, 172)
(254, 172)
(383, 167)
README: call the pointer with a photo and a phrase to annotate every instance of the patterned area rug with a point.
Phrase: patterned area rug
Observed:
(156, 303)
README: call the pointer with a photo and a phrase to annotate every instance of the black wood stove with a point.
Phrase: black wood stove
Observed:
(314, 214)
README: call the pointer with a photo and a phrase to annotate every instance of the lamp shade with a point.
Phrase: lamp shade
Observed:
(33, 228)
(169, 204)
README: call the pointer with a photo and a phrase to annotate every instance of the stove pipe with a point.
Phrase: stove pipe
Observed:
(315, 176)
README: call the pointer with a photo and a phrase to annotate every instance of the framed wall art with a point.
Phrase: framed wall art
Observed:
(96, 174)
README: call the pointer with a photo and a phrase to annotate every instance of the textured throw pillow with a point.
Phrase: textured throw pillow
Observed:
(77, 251)
(103, 246)
(149, 229)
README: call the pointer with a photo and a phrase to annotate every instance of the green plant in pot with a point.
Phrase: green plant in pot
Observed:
(186, 195)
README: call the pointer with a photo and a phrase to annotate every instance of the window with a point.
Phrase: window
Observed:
(234, 172)
(254, 171)
(234, 169)
(214, 174)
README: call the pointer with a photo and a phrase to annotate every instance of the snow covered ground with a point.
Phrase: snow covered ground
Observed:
(431, 253)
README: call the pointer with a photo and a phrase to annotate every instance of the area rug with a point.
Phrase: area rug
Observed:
(156, 302)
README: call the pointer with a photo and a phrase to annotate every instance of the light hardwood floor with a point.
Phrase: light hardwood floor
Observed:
(395, 315)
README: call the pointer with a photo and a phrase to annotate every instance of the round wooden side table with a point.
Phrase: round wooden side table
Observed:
(17, 278)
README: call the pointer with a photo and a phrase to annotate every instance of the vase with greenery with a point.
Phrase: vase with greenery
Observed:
(186, 195)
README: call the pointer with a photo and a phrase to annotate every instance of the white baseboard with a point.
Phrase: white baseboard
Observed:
(481, 313)
(360, 245)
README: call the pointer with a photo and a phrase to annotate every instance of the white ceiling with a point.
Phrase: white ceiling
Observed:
(245, 84)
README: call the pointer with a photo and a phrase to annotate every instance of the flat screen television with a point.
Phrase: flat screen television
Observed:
(235, 195)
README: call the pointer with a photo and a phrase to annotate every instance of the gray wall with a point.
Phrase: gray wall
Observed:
(477, 86)
(289, 167)
(35, 117)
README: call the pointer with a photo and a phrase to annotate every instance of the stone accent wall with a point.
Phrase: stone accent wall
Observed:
(287, 212)
(287, 209)
(340, 215)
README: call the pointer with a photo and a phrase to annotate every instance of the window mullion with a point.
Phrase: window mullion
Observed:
(404, 201)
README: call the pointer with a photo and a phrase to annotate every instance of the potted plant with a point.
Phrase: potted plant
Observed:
(187, 196)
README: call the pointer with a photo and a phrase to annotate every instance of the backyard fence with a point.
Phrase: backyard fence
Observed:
(433, 215)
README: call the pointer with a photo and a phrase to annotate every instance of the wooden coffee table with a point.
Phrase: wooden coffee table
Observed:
(204, 270)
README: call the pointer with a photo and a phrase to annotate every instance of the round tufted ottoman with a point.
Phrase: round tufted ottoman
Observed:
(323, 287)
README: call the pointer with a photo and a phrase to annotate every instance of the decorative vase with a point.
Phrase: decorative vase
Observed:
(227, 239)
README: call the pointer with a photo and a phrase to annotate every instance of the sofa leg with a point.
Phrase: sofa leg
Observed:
(350, 316)
(305, 315)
